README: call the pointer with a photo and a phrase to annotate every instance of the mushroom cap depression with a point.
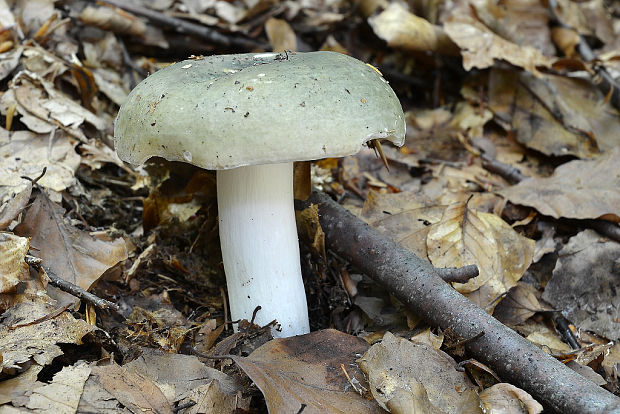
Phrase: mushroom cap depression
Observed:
(228, 111)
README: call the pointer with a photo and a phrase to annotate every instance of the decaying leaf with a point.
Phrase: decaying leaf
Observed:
(504, 398)
(63, 394)
(465, 236)
(304, 373)
(480, 46)
(13, 200)
(281, 35)
(73, 254)
(585, 285)
(519, 305)
(13, 269)
(417, 377)
(131, 389)
(31, 331)
(577, 189)
(27, 154)
(402, 29)
(184, 378)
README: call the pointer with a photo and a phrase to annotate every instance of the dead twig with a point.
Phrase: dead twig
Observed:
(185, 27)
(416, 283)
(70, 288)
(458, 274)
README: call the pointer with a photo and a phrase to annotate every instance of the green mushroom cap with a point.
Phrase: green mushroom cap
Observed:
(228, 111)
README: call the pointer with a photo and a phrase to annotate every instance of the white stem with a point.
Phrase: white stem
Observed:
(259, 246)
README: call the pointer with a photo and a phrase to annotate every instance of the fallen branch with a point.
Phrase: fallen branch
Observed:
(416, 283)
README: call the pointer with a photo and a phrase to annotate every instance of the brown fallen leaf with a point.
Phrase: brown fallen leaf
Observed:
(578, 189)
(303, 373)
(519, 305)
(26, 335)
(585, 286)
(465, 236)
(184, 378)
(74, 255)
(280, 35)
(415, 377)
(505, 398)
(480, 46)
(131, 389)
(402, 29)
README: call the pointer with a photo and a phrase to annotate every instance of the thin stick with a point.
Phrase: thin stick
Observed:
(69, 287)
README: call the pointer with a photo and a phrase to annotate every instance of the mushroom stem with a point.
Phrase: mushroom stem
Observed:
(259, 244)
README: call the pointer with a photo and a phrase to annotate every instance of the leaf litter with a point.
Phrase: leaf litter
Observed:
(147, 238)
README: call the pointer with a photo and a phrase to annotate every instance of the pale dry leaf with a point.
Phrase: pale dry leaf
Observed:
(585, 285)
(549, 341)
(13, 200)
(27, 154)
(73, 254)
(578, 189)
(212, 398)
(14, 389)
(465, 236)
(9, 61)
(402, 29)
(62, 395)
(504, 398)
(177, 374)
(13, 268)
(36, 341)
(306, 371)
(395, 366)
(113, 19)
(280, 35)
(131, 389)
(480, 46)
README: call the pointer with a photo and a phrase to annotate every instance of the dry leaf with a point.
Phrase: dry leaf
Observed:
(480, 46)
(280, 35)
(504, 398)
(13, 200)
(304, 373)
(585, 286)
(418, 377)
(519, 305)
(578, 189)
(555, 115)
(133, 390)
(404, 30)
(62, 395)
(73, 254)
(465, 236)
(36, 341)
(13, 269)
(27, 154)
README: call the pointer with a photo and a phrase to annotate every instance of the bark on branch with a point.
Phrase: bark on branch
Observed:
(416, 283)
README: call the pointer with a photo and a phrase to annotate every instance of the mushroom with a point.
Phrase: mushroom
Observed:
(249, 116)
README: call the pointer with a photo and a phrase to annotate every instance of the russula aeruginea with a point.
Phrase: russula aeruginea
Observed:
(249, 117)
